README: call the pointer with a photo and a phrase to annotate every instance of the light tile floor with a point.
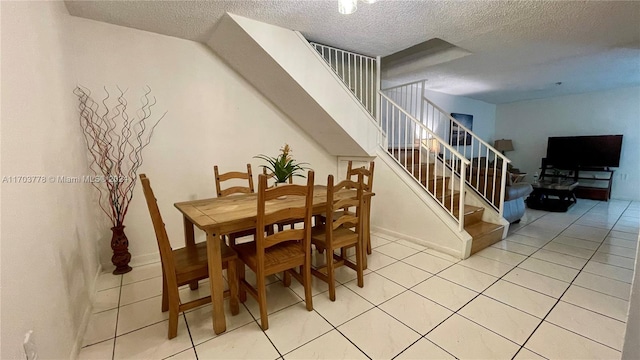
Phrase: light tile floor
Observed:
(556, 287)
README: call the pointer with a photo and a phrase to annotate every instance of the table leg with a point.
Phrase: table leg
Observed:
(216, 282)
(189, 240)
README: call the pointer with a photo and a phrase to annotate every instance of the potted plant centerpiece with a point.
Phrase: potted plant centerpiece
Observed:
(283, 166)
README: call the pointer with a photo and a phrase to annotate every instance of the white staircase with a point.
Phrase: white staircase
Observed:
(426, 180)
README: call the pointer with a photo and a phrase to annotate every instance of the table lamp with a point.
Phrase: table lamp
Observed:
(503, 145)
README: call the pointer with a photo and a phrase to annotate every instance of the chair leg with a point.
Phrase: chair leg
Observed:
(286, 278)
(232, 275)
(331, 275)
(368, 227)
(173, 320)
(165, 295)
(360, 256)
(193, 285)
(306, 276)
(262, 300)
(232, 240)
(240, 272)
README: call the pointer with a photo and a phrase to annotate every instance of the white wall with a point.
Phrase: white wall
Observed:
(484, 114)
(530, 123)
(49, 260)
(214, 118)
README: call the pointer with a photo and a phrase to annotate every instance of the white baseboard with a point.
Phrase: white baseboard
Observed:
(86, 316)
(443, 249)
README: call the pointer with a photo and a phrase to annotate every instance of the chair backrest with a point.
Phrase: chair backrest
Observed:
(270, 175)
(166, 253)
(361, 172)
(272, 210)
(233, 175)
(337, 201)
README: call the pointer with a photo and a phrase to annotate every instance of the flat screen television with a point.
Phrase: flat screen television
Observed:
(584, 151)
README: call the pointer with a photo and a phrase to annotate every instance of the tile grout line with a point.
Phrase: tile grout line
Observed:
(374, 306)
(115, 331)
(563, 293)
(193, 345)
(482, 292)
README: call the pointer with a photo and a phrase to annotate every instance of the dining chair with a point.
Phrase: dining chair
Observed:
(336, 232)
(185, 266)
(280, 225)
(366, 176)
(283, 251)
(232, 190)
(367, 179)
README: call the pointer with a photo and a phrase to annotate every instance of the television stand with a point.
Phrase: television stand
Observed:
(594, 182)
(553, 195)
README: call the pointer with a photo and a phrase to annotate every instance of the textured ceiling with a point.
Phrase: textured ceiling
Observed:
(520, 49)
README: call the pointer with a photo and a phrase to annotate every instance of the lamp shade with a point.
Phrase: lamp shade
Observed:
(503, 145)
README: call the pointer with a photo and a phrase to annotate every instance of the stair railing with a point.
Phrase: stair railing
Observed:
(425, 156)
(358, 72)
(486, 162)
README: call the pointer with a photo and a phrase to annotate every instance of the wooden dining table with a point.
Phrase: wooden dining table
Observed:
(226, 215)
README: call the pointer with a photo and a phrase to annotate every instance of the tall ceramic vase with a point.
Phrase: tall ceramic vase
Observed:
(120, 247)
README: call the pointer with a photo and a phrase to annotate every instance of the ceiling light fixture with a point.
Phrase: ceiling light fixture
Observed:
(347, 7)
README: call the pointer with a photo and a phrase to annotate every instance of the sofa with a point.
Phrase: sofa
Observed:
(514, 196)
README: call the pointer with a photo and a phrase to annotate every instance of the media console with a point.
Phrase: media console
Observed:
(593, 182)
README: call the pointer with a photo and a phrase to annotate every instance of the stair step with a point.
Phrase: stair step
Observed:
(406, 155)
(421, 169)
(472, 214)
(448, 193)
(435, 185)
(484, 234)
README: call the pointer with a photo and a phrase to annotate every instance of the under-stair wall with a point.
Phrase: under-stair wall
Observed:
(402, 208)
(286, 69)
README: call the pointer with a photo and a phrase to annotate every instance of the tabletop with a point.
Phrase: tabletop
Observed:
(240, 212)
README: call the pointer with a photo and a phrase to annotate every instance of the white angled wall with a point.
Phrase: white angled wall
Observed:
(530, 123)
(284, 67)
(214, 117)
(49, 260)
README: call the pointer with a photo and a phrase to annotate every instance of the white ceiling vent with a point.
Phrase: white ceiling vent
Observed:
(418, 57)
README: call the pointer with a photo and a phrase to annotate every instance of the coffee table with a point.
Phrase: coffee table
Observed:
(552, 195)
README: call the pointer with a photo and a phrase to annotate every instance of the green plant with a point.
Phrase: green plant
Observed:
(283, 166)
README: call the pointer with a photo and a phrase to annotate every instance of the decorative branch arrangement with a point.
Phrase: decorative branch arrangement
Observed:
(115, 142)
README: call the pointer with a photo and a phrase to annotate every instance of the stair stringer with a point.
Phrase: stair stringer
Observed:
(409, 212)
(281, 65)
